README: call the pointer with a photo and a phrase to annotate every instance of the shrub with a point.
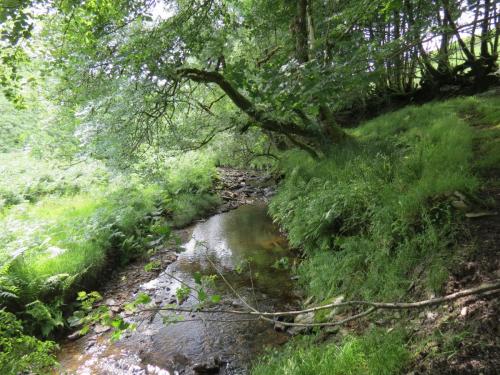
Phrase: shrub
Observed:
(20, 353)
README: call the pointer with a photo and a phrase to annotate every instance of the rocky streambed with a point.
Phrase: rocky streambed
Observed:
(241, 245)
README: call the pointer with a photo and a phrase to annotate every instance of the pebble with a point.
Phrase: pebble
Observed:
(101, 329)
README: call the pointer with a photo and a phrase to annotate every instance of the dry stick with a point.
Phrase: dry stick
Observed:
(253, 289)
(328, 324)
(396, 305)
(373, 306)
(254, 311)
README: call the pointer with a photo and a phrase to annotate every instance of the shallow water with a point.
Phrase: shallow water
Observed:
(242, 246)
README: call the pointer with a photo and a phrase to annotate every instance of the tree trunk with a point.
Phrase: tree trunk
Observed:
(484, 31)
(301, 34)
(470, 57)
(262, 119)
(304, 35)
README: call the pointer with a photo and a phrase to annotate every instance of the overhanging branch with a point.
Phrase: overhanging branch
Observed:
(259, 116)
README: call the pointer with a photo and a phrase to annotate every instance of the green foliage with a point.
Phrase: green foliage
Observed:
(187, 181)
(192, 173)
(182, 293)
(203, 285)
(15, 125)
(20, 353)
(45, 318)
(377, 212)
(184, 208)
(89, 313)
(75, 235)
(375, 353)
(155, 265)
(8, 285)
(25, 178)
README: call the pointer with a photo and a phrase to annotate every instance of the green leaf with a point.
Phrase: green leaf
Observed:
(215, 298)
(142, 299)
(84, 330)
(202, 295)
(81, 296)
(197, 278)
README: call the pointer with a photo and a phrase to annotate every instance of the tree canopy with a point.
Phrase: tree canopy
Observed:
(175, 74)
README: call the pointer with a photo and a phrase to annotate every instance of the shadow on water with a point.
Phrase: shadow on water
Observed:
(244, 246)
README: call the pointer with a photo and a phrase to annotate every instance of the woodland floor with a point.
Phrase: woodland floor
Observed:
(465, 335)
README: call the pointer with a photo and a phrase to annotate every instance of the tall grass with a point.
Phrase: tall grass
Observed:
(59, 243)
(378, 211)
(377, 216)
(27, 179)
(74, 236)
(376, 353)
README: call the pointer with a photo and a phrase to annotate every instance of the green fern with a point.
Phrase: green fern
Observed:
(8, 286)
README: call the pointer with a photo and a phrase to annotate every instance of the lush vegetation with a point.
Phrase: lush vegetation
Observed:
(380, 216)
(377, 352)
(63, 225)
(382, 204)
(115, 114)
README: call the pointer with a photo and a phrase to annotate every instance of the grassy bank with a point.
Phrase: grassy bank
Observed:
(62, 229)
(379, 219)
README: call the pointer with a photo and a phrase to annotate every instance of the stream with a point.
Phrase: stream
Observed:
(244, 246)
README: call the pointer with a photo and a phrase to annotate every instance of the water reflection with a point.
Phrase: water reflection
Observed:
(243, 245)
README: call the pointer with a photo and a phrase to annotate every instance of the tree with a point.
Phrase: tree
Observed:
(295, 70)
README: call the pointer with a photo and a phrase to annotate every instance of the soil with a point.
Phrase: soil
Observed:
(465, 335)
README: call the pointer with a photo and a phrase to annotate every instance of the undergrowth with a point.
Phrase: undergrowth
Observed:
(376, 353)
(380, 216)
(62, 229)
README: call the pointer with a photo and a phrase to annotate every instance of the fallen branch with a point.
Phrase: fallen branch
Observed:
(372, 307)
(398, 305)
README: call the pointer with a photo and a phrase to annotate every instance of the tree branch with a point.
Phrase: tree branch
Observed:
(262, 119)
(372, 307)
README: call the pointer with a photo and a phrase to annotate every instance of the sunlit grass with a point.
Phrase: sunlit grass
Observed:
(377, 212)
(376, 353)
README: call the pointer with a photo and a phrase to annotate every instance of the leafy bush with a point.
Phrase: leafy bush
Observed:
(20, 353)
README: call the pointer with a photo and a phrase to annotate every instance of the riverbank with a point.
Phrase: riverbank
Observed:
(406, 212)
(65, 229)
(244, 246)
